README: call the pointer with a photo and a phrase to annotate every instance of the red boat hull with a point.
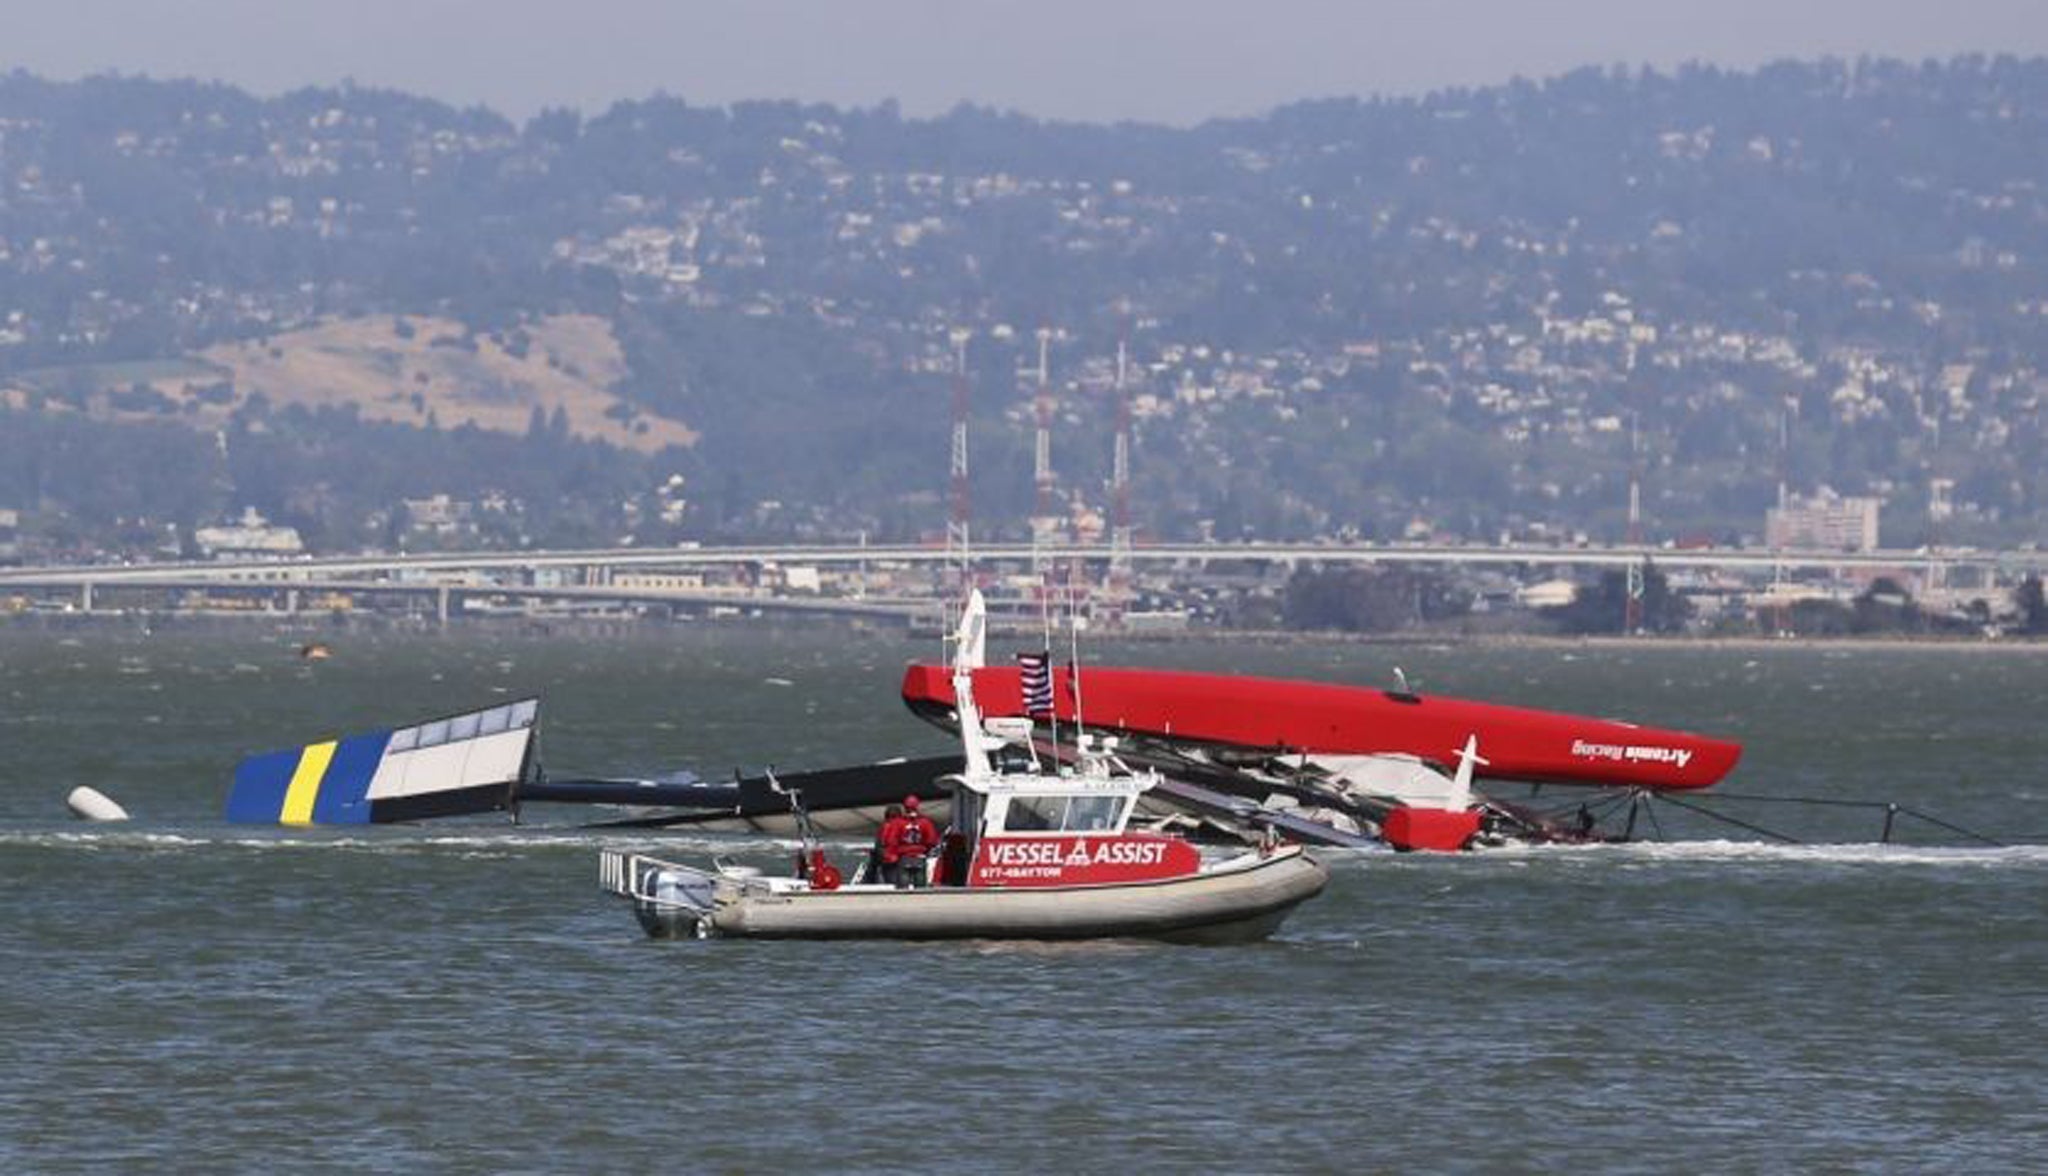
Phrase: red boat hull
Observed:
(1317, 717)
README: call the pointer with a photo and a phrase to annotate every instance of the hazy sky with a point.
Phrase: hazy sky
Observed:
(1165, 60)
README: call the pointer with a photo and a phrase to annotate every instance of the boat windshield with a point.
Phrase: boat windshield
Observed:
(1068, 814)
(1094, 813)
(1031, 813)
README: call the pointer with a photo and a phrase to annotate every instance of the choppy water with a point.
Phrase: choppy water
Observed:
(178, 992)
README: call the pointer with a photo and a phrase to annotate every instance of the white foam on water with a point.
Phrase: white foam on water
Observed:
(1847, 853)
(1870, 853)
(400, 840)
(396, 841)
(1639, 855)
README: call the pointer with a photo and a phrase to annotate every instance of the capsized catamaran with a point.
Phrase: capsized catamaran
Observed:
(488, 760)
(1345, 765)
(1033, 851)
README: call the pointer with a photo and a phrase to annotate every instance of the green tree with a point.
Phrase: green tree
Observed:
(1604, 608)
(1369, 600)
(2032, 605)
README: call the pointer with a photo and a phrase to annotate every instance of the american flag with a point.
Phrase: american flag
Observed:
(1037, 675)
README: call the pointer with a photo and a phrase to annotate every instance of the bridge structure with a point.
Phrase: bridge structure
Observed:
(608, 575)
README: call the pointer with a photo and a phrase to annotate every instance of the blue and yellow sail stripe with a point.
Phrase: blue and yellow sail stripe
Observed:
(325, 783)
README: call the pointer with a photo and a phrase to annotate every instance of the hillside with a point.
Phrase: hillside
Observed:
(430, 371)
(1471, 313)
(419, 371)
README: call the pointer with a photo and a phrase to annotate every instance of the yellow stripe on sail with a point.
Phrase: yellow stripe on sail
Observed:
(305, 785)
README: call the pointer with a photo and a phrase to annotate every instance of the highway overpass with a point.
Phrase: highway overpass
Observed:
(351, 570)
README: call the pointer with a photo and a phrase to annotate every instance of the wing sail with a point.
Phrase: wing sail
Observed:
(465, 763)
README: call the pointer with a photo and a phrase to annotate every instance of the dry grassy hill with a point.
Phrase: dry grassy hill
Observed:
(416, 371)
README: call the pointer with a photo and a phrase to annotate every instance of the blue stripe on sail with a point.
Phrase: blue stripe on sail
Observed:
(261, 781)
(345, 792)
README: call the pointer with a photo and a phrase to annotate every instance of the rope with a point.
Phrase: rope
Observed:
(1726, 819)
(1937, 821)
(1835, 802)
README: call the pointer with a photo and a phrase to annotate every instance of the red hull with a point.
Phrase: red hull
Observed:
(1293, 716)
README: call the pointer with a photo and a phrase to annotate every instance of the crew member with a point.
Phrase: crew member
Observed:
(880, 865)
(907, 844)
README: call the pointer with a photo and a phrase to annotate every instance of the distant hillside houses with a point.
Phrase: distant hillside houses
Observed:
(1484, 309)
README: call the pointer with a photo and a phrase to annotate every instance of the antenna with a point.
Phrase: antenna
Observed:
(1076, 622)
(958, 538)
(1045, 622)
(1632, 604)
(1776, 536)
(1120, 493)
(1784, 452)
(1043, 520)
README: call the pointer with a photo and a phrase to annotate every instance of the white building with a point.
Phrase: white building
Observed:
(1824, 522)
(252, 537)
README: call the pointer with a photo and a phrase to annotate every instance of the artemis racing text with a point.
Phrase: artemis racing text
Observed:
(1680, 756)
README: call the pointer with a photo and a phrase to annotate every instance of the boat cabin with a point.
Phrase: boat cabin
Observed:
(1016, 823)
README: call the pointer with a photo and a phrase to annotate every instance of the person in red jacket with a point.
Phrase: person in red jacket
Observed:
(879, 868)
(907, 842)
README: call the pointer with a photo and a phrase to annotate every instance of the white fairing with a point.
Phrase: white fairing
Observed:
(1461, 784)
(970, 651)
(1393, 777)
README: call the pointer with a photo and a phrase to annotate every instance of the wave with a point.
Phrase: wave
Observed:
(1872, 853)
(529, 839)
(1840, 853)
(389, 841)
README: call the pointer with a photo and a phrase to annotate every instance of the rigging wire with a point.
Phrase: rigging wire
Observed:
(1726, 819)
(1888, 808)
(1651, 811)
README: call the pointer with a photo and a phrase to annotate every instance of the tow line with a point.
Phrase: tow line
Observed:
(1892, 813)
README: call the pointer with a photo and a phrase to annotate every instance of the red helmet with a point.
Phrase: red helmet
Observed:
(910, 804)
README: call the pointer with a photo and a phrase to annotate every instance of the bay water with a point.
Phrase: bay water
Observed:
(176, 992)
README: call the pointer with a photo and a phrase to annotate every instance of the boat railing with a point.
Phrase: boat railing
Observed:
(652, 880)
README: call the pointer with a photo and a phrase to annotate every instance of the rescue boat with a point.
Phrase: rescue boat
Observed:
(1035, 849)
